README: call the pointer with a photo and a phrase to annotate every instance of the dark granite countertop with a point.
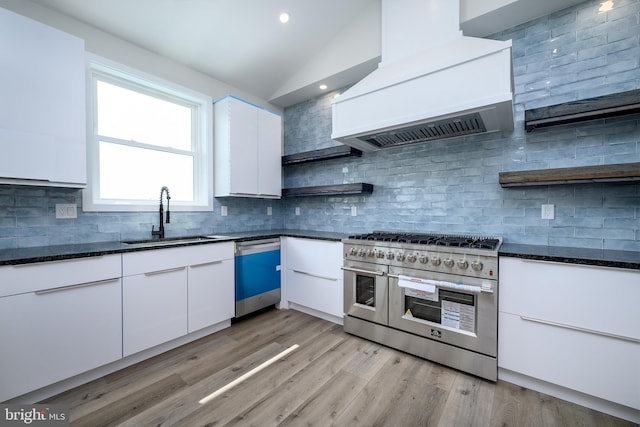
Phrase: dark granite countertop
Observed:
(62, 252)
(598, 257)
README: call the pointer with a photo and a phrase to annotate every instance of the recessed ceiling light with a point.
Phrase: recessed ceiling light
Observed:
(284, 17)
(323, 87)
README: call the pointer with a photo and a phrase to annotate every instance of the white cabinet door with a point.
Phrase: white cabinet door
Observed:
(243, 161)
(50, 334)
(313, 274)
(170, 292)
(154, 308)
(248, 152)
(211, 293)
(269, 154)
(42, 107)
(571, 325)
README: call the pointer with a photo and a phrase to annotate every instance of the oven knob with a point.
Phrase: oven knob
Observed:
(463, 264)
(353, 251)
(362, 252)
(448, 262)
(371, 253)
(435, 260)
(380, 254)
(389, 255)
(400, 256)
(424, 259)
(476, 266)
(412, 257)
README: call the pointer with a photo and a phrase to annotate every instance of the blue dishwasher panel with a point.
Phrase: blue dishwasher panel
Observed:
(257, 273)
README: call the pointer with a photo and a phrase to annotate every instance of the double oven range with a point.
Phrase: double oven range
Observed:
(431, 295)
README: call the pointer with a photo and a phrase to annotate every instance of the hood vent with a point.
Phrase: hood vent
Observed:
(432, 83)
(440, 129)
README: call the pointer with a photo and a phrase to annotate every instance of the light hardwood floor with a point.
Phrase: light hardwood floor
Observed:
(332, 379)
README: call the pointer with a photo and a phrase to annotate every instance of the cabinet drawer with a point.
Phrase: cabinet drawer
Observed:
(23, 278)
(53, 336)
(319, 257)
(319, 293)
(593, 364)
(598, 298)
(167, 258)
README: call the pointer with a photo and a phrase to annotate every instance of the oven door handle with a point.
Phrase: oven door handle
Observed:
(488, 288)
(357, 270)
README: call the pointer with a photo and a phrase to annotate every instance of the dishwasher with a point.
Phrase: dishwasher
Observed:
(257, 275)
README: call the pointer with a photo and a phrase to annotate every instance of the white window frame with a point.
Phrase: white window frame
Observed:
(203, 129)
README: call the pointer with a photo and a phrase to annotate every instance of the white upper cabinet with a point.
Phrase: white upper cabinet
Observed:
(248, 153)
(42, 107)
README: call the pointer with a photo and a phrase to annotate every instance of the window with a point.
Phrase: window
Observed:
(144, 134)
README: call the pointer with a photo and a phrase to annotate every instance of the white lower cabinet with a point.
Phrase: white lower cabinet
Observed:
(170, 292)
(57, 320)
(211, 291)
(572, 326)
(313, 275)
(154, 308)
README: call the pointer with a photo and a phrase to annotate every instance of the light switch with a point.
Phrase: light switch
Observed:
(223, 211)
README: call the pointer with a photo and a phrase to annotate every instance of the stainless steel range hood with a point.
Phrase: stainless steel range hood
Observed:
(432, 82)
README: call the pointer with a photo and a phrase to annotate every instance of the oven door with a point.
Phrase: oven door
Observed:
(465, 316)
(366, 291)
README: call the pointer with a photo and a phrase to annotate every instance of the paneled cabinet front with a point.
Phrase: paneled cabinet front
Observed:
(248, 150)
(42, 107)
(57, 320)
(573, 326)
(168, 293)
(211, 296)
(313, 277)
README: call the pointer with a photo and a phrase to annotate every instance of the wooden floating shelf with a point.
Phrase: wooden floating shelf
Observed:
(618, 104)
(328, 190)
(321, 154)
(625, 172)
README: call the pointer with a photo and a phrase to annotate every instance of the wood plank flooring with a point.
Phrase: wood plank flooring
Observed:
(332, 379)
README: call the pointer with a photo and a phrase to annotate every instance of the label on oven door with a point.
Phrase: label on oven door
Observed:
(458, 316)
(416, 293)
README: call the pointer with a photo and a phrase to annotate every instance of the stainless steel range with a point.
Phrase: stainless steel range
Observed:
(434, 296)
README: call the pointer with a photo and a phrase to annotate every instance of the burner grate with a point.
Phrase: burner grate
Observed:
(474, 242)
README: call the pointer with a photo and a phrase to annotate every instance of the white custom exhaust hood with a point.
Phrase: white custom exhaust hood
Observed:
(432, 82)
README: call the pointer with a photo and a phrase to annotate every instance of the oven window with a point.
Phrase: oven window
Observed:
(453, 309)
(366, 290)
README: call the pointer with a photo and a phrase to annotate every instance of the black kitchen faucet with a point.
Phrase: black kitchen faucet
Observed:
(160, 231)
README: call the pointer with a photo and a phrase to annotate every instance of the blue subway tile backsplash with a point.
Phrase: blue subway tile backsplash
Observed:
(446, 186)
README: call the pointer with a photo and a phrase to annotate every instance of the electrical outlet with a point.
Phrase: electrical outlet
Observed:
(297, 210)
(548, 212)
(269, 210)
(66, 210)
(223, 211)
(354, 211)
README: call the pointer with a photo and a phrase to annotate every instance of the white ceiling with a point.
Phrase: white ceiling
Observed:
(242, 42)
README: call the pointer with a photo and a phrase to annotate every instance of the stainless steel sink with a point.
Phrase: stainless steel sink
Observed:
(171, 240)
